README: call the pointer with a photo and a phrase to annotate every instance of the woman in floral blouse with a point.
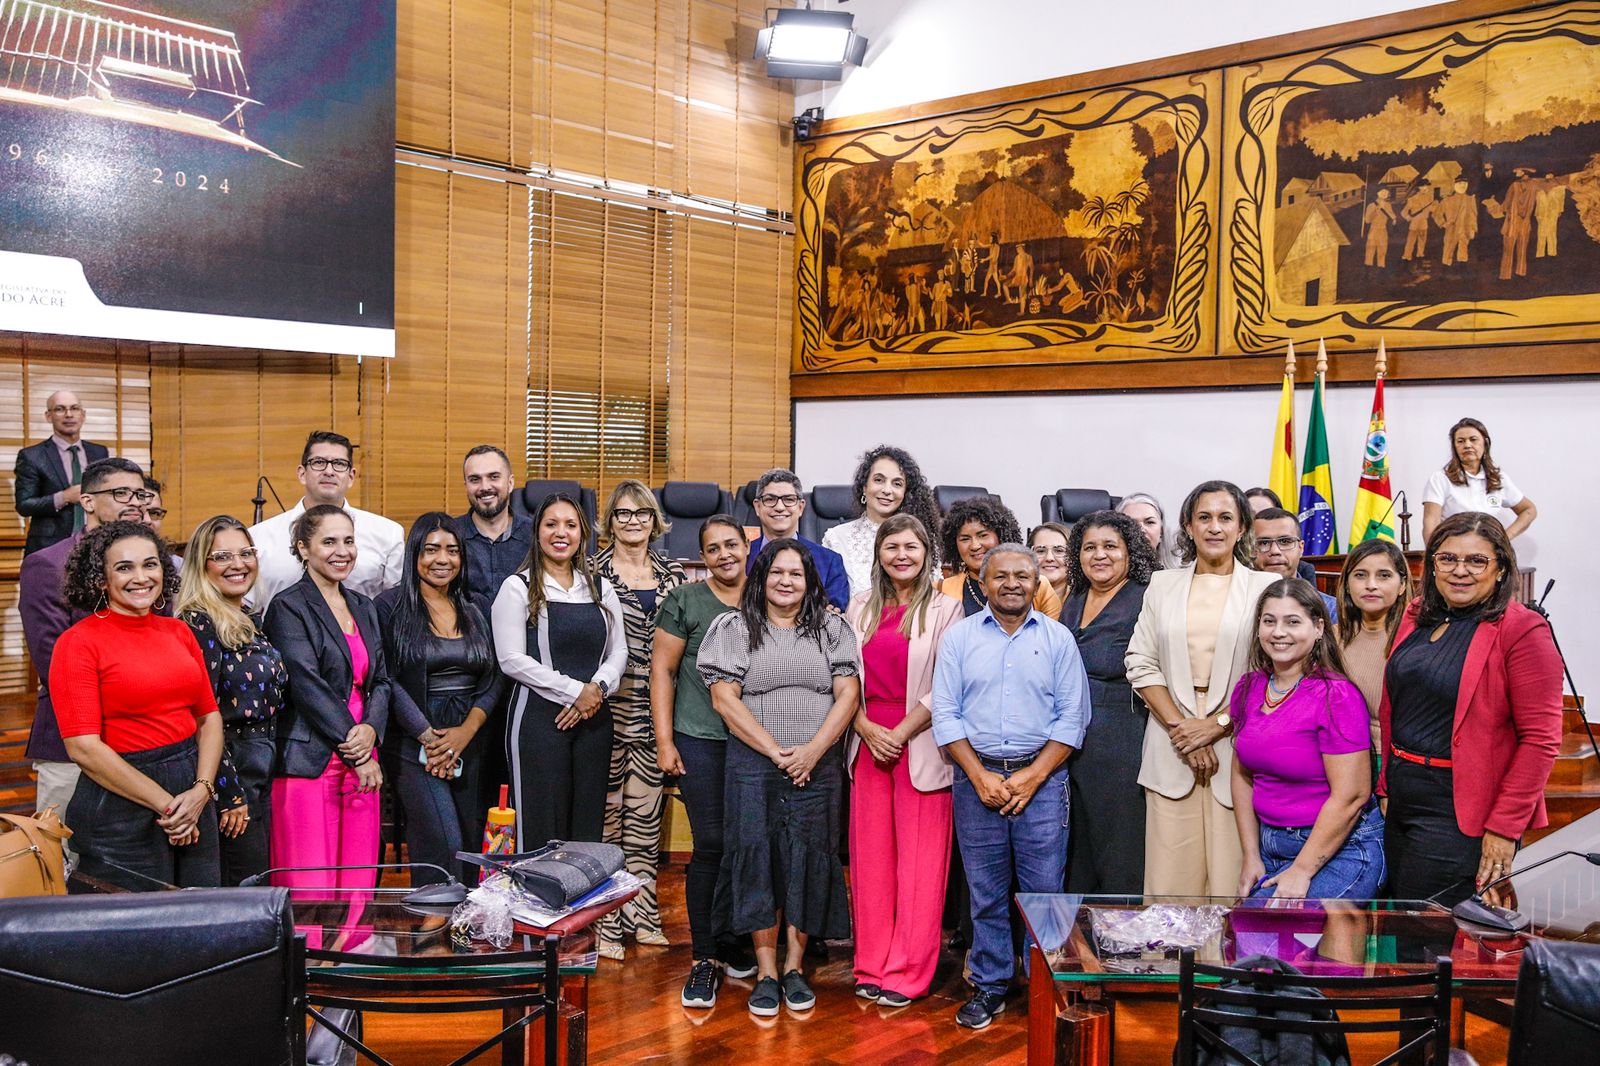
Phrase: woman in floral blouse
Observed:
(248, 677)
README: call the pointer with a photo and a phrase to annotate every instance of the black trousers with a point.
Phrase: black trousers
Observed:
(559, 775)
(442, 817)
(1428, 855)
(118, 840)
(246, 854)
(702, 789)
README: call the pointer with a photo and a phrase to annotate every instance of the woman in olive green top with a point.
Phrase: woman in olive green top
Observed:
(692, 743)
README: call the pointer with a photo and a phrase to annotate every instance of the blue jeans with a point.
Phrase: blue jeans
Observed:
(1356, 871)
(1033, 845)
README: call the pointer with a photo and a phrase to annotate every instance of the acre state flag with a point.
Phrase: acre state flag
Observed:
(1374, 498)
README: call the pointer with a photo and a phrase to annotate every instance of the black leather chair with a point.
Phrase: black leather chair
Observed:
(948, 495)
(744, 504)
(527, 498)
(1068, 505)
(153, 978)
(827, 506)
(1557, 1013)
(686, 504)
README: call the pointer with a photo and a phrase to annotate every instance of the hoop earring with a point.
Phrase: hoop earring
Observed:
(162, 605)
(104, 604)
(863, 499)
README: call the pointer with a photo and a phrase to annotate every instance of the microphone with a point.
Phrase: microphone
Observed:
(260, 499)
(1405, 521)
(1476, 911)
(451, 892)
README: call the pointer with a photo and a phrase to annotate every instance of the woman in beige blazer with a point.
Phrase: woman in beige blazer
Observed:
(900, 813)
(1189, 648)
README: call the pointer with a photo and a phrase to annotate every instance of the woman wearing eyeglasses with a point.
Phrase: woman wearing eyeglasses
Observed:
(248, 677)
(634, 800)
(1470, 718)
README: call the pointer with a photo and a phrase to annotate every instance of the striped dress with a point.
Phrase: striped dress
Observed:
(634, 801)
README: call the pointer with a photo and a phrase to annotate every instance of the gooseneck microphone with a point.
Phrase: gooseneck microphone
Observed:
(1476, 911)
(451, 891)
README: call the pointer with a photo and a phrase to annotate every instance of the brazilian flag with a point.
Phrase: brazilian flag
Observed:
(1317, 526)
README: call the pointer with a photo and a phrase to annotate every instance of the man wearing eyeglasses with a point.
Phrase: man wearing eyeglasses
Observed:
(779, 504)
(49, 474)
(1278, 548)
(326, 472)
(112, 491)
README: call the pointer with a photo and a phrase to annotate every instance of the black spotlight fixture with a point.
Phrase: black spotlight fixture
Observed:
(801, 43)
(806, 123)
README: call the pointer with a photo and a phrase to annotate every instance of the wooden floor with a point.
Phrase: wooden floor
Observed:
(635, 1017)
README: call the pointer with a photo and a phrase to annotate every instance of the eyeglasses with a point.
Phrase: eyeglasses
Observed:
(224, 558)
(1050, 550)
(770, 500)
(1474, 564)
(627, 515)
(123, 495)
(1283, 544)
(62, 409)
(319, 463)
(157, 513)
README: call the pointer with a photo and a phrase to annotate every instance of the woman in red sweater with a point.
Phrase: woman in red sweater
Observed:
(138, 716)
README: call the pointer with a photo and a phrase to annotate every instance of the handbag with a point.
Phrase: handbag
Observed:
(558, 874)
(32, 862)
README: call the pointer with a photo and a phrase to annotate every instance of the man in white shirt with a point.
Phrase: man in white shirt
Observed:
(327, 470)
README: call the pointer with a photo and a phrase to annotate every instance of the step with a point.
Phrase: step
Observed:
(1575, 762)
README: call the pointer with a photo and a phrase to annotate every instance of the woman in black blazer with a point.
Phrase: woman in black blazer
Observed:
(445, 684)
(325, 809)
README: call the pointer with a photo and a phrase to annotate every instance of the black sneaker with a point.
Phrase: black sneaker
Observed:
(890, 998)
(797, 995)
(738, 962)
(765, 998)
(700, 990)
(979, 1011)
(866, 991)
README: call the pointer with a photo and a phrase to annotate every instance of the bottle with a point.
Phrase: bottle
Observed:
(500, 829)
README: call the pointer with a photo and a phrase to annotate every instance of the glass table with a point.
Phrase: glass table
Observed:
(370, 950)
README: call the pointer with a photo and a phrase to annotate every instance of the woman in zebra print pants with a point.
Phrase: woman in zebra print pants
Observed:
(634, 800)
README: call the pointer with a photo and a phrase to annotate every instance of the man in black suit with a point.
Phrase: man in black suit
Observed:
(48, 474)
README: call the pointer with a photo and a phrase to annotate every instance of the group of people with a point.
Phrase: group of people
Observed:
(1113, 706)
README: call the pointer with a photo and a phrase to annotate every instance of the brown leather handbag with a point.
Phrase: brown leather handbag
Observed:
(31, 860)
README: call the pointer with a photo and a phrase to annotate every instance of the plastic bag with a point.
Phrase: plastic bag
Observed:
(1161, 926)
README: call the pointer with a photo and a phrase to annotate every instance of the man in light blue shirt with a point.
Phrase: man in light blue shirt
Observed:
(1010, 704)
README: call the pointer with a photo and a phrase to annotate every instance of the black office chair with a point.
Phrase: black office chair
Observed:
(1068, 505)
(1556, 1017)
(948, 496)
(828, 506)
(686, 504)
(1233, 1015)
(744, 504)
(153, 978)
(527, 497)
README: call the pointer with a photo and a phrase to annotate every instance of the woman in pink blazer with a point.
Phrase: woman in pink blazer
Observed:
(1470, 718)
(900, 814)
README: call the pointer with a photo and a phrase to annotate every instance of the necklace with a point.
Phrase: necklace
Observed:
(1274, 696)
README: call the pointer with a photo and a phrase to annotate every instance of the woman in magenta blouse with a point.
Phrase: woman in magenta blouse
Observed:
(1302, 779)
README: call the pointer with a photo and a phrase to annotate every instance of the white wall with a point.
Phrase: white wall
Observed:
(1165, 443)
(931, 49)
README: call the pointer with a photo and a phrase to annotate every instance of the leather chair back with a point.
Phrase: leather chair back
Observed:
(949, 495)
(1556, 1017)
(687, 504)
(828, 506)
(744, 504)
(528, 496)
(1069, 505)
(152, 979)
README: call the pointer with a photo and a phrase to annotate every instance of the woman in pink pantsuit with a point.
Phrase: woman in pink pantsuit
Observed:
(325, 808)
(900, 815)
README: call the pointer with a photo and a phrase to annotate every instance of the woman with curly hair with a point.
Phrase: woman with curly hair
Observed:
(1189, 649)
(887, 482)
(971, 528)
(138, 716)
(784, 674)
(1109, 562)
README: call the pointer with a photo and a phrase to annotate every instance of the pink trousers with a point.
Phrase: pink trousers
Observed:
(324, 821)
(899, 859)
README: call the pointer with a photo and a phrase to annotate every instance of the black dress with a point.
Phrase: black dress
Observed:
(1105, 842)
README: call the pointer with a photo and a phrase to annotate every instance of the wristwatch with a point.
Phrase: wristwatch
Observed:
(1224, 719)
(605, 689)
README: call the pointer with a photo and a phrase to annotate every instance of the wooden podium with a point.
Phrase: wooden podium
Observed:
(1329, 568)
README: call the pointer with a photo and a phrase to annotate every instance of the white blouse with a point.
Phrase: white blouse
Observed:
(853, 541)
(1473, 496)
(509, 620)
